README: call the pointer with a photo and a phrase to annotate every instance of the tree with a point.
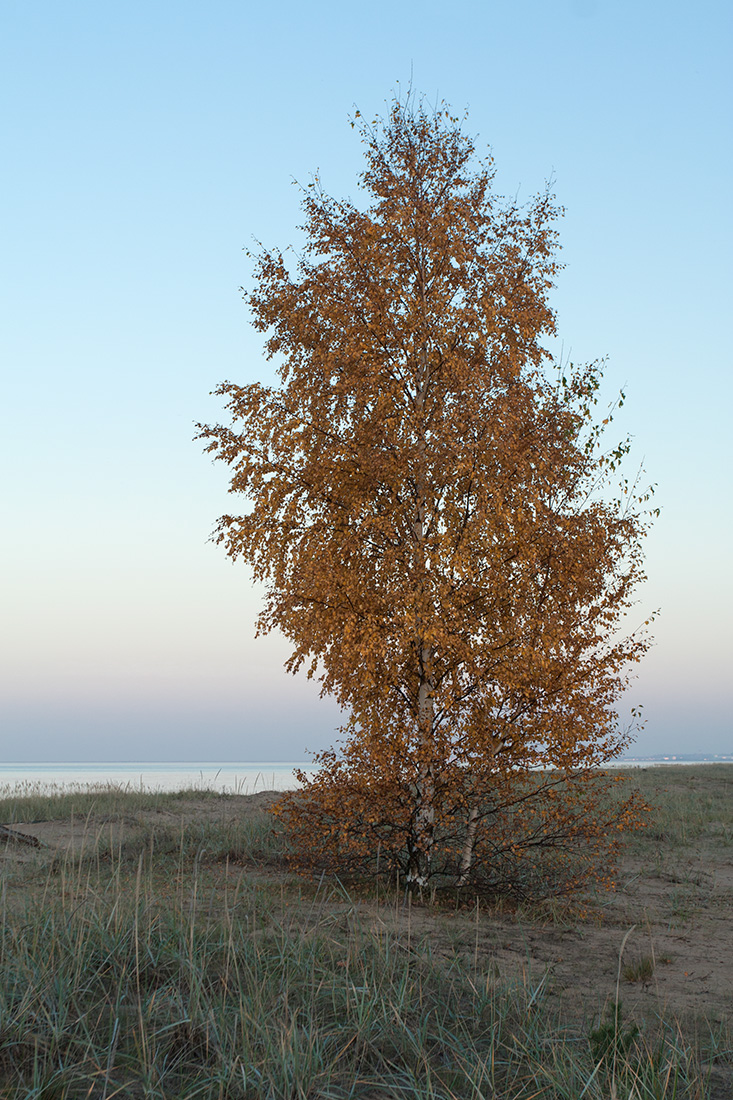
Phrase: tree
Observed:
(429, 511)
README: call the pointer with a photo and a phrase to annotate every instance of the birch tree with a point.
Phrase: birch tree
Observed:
(429, 507)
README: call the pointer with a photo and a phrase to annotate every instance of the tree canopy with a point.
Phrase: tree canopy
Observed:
(429, 506)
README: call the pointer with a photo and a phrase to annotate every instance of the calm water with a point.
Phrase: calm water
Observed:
(244, 778)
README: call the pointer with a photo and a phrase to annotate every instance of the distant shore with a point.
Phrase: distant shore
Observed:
(680, 758)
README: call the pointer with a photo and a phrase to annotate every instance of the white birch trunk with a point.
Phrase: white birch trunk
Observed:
(425, 815)
(467, 856)
(425, 809)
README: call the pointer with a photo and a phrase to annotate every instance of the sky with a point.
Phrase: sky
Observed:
(146, 145)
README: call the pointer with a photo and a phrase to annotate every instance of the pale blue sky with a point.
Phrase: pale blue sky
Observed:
(145, 145)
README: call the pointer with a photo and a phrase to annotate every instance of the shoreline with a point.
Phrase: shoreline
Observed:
(227, 779)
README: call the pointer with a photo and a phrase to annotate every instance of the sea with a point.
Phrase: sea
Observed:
(225, 778)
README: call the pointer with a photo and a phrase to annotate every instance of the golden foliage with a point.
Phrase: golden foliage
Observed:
(429, 511)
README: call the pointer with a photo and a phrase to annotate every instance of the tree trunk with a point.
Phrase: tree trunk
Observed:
(425, 814)
(467, 857)
(419, 870)
(9, 834)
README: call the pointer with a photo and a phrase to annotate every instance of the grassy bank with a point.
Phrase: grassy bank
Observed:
(163, 952)
(48, 802)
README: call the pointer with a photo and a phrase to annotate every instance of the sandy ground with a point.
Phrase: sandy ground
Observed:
(676, 906)
(682, 910)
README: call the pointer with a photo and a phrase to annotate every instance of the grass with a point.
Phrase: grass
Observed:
(118, 988)
(640, 971)
(176, 961)
(689, 803)
(50, 802)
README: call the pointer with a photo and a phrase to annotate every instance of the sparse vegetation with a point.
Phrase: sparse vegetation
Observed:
(640, 971)
(165, 951)
(47, 802)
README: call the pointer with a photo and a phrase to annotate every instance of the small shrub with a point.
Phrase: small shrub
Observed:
(611, 1040)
